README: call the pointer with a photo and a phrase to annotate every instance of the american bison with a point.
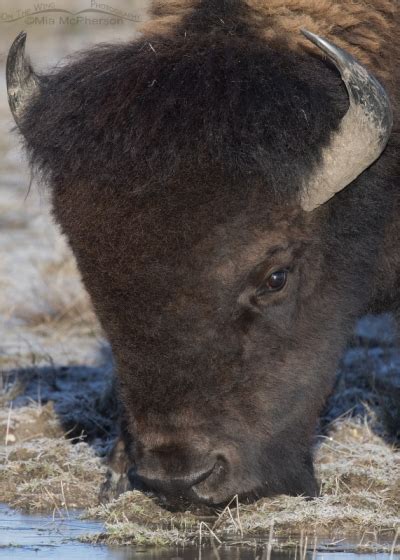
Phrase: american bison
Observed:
(229, 183)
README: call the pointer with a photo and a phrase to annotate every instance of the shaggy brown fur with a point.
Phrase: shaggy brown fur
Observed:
(367, 30)
(175, 164)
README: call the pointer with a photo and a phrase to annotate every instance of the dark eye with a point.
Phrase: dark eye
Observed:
(274, 282)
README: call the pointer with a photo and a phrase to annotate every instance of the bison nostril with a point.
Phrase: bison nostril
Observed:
(199, 477)
(195, 478)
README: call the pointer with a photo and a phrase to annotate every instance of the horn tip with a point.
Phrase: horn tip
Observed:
(306, 33)
(19, 40)
(314, 38)
(19, 74)
(17, 49)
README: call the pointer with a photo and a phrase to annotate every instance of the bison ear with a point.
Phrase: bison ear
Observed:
(22, 82)
(362, 134)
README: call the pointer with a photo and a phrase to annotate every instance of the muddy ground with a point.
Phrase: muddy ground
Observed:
(57, 419)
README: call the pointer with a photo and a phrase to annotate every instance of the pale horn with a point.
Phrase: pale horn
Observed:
(362, 134)
(22, 82)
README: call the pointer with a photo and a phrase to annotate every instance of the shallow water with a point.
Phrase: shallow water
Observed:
(44, 538)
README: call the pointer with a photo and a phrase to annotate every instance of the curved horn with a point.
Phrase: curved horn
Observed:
(363, 132)
(22, 82)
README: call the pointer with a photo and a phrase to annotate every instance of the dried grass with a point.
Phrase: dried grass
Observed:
(40, 469)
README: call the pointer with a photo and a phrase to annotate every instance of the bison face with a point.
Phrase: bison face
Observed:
(225, 352)
(196, 211)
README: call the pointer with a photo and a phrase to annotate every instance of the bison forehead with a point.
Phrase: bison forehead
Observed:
(190, 260)
(249, 110)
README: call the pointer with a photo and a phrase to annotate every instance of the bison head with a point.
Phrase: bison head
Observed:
(226, 308)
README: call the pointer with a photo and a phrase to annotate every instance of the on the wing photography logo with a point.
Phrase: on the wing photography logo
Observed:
(50, 13)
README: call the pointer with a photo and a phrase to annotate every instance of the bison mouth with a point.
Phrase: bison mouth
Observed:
(214, 487)
(199, 496)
